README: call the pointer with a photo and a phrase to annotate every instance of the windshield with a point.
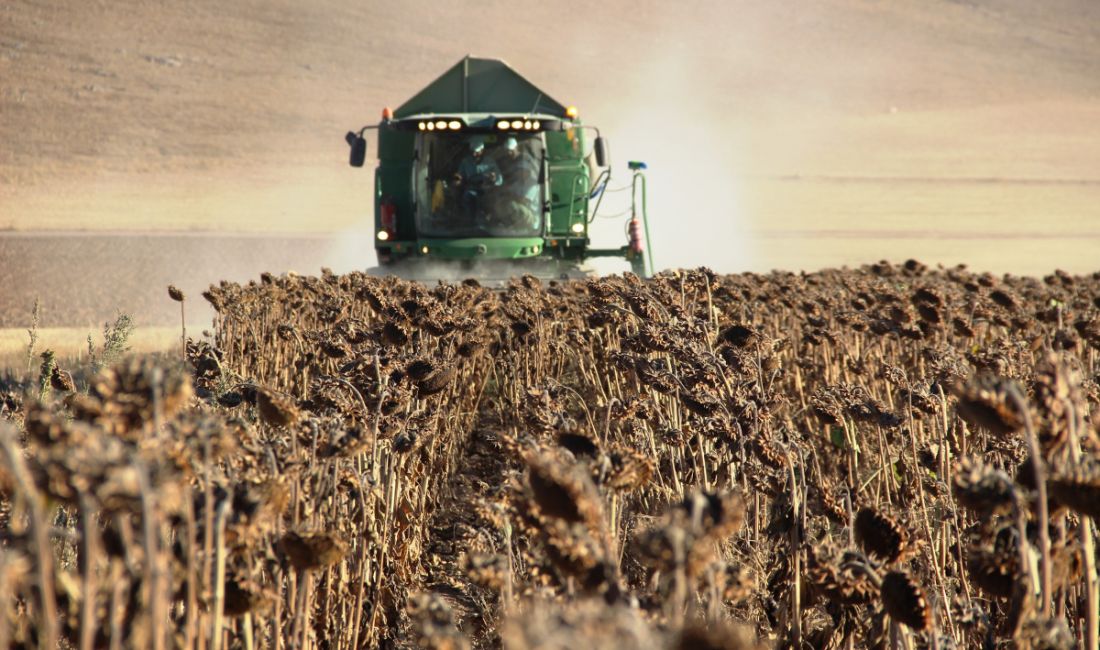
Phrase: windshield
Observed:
(475, 185)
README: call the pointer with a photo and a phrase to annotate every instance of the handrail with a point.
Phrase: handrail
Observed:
(634, 183)
(574, 196)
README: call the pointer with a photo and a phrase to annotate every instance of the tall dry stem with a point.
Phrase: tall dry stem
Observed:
(32, 333)
(1038, 467)
(88, 587)
(39, 529)
(218, 604)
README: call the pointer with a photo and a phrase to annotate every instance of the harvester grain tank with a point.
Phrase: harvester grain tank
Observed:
(481, 173)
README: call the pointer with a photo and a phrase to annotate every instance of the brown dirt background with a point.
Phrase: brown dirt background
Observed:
(833, 132)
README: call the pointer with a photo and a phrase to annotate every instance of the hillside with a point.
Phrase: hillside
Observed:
(153, 115)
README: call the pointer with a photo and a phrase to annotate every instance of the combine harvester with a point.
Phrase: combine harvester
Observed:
(483, 175)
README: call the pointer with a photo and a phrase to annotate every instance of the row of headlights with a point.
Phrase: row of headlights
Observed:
(456, 125)
(439, 125)
(516, 125)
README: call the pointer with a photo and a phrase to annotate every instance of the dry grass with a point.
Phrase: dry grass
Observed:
(888, 457)
(71, 344)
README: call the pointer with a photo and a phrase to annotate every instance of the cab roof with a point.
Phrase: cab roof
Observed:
(475, 85)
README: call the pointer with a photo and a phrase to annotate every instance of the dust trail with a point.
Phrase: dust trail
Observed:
(351, 249)
(695, 157)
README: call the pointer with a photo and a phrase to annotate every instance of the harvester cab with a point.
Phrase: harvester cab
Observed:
(487, 175)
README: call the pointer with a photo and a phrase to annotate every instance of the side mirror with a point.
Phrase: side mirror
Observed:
(358, 146)
(601, 151)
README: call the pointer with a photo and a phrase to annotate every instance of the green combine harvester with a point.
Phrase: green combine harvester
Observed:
(481, 174)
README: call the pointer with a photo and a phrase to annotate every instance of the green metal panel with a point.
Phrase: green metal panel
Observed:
(569, 182)
(568, 197)
(480, 86)
(565, 145)
(393, 179)
(395, 145)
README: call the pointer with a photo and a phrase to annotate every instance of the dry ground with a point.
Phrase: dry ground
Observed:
(148, 115)
(83, 280)
(87, 278)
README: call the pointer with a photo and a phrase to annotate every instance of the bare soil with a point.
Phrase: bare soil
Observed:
(86, 279)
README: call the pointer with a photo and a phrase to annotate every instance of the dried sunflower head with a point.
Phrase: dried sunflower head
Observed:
(276, 409)
(994, 567)
(881, 535)
(1040, 633)
(312, 550)
(243, 597)
(630, 469)
(716, 636)
(563, 491)
(847, 582)
(984, 402)
(904, 600)
(983, 489)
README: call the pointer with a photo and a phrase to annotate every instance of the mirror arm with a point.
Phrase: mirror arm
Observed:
(605, 176)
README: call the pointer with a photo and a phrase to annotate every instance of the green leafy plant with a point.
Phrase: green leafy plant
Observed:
(116, 335)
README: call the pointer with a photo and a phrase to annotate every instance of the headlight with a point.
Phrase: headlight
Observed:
(578, 228)
(383, 235)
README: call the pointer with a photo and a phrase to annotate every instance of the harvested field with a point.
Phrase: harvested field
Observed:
(884, 457)
(87, 278)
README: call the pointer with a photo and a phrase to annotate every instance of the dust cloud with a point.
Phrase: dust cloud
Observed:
(840, 133)
(695, 160)
(349, 248)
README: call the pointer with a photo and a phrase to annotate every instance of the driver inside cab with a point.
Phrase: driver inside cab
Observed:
(476, 174)
(476, 170)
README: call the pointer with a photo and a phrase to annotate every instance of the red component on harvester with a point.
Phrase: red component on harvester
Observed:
(387, 216)
(635, 232)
